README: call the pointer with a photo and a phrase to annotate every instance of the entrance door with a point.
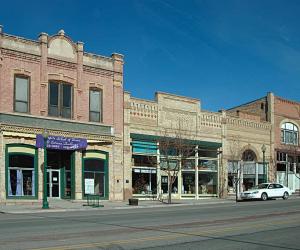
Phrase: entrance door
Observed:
(53, 180)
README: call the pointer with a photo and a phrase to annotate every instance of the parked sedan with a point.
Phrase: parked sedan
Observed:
(266, 191)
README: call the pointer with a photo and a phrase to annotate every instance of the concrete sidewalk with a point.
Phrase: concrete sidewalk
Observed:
(58, 205)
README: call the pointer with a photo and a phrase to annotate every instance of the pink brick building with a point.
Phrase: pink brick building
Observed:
(53, 85)
(284, 115)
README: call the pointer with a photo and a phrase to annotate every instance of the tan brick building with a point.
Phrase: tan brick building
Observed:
(222, 144)
(284, 115)
(52, 84)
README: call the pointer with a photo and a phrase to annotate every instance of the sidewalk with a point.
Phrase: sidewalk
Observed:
(58, 205)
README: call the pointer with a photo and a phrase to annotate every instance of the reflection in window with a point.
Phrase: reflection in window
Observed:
(21, 103)
(165, 185)
(60, 100)
(207, 183)
(95, 105)
(188, 182)
(289, 133)
(144, 181)
(21, 175)
(94, 177)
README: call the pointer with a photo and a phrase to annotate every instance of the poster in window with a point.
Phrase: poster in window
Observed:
(89, 186)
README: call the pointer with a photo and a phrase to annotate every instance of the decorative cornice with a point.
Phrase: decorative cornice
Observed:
(20, 55)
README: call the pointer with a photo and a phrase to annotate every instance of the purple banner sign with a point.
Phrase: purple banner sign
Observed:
(61, 143)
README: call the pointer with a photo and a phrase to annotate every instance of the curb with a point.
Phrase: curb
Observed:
(57, 210)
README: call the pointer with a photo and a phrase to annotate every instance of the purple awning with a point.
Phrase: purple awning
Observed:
(61, 143)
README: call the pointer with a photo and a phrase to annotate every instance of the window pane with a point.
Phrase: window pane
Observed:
(27, 182)
(66, 112)
(67, 91)
(99, 184)
(21, 89)
(95, 100)
(94, 116)
(188, 183)
(21, 107)
(53, 94)
(21, 161)
(53, 111)
(94, 165)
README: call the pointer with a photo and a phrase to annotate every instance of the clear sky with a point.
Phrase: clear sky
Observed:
(223, 52)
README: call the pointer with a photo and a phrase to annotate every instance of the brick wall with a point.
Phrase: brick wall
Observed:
(44, 60)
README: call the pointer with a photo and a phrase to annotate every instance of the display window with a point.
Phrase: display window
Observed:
(94, 177)
(144, 181)
(21, 175)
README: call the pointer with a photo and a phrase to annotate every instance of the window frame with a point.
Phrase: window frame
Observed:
(28, 92)
(35, 169)
(100, 102)
(60, 99)
(294, 132)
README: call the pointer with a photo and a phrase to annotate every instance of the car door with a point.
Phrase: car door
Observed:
(271, 191)
(279, 190)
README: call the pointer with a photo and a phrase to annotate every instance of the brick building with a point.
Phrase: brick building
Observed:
(222, 143)
(284, 115)
(51, 88)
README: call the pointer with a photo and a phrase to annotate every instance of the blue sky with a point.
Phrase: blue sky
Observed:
(223, 52)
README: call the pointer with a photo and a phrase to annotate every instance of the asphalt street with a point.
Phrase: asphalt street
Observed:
(273, 224)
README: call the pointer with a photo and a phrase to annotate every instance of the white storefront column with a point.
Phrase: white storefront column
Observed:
(78, 175)
(179, 180)
(256, 174)
(196, 172)
(158, 172)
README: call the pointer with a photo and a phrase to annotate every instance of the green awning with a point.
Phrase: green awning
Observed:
(201, 144)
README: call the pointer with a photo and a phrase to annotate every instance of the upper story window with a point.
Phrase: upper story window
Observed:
(60, 100)
(21, 94)
(289, 133)
(95, 105)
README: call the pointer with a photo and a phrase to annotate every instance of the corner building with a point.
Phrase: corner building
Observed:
(51, 85)
(284, 116)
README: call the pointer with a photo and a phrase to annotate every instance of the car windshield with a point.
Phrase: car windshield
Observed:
(261, 186)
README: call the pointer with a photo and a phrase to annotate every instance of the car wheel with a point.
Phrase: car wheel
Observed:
(264, 196)
(285, 196)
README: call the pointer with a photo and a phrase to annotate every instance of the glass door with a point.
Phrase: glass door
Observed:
(53, 181)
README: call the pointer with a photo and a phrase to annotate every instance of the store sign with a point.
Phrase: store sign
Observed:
(89, 186)
(61, 143)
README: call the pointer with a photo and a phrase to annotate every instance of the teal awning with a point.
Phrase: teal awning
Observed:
(154, 139)
(145, 147)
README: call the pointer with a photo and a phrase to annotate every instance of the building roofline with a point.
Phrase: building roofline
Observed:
(245, 103)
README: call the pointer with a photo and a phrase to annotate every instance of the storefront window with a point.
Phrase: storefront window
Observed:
(165, 185)
(94, 177)
(188, 182)
(144, 181)
(207, 183)
(208, 165)
(21, 175)
(233, 168)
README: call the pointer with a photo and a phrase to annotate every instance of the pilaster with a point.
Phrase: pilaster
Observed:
(78, 175)
(43, 38)
(196, 173)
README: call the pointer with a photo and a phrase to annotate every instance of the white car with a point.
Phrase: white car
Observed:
(266, 191)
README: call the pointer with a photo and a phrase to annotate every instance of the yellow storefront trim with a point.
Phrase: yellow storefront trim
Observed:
(21, 150)
(15, 134)
(95, 155)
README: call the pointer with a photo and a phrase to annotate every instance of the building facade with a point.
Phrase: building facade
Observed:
(284, 116)
(221, 145)
(51, 86)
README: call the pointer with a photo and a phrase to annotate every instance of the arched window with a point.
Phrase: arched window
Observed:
(289, 133)
(249, 155)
